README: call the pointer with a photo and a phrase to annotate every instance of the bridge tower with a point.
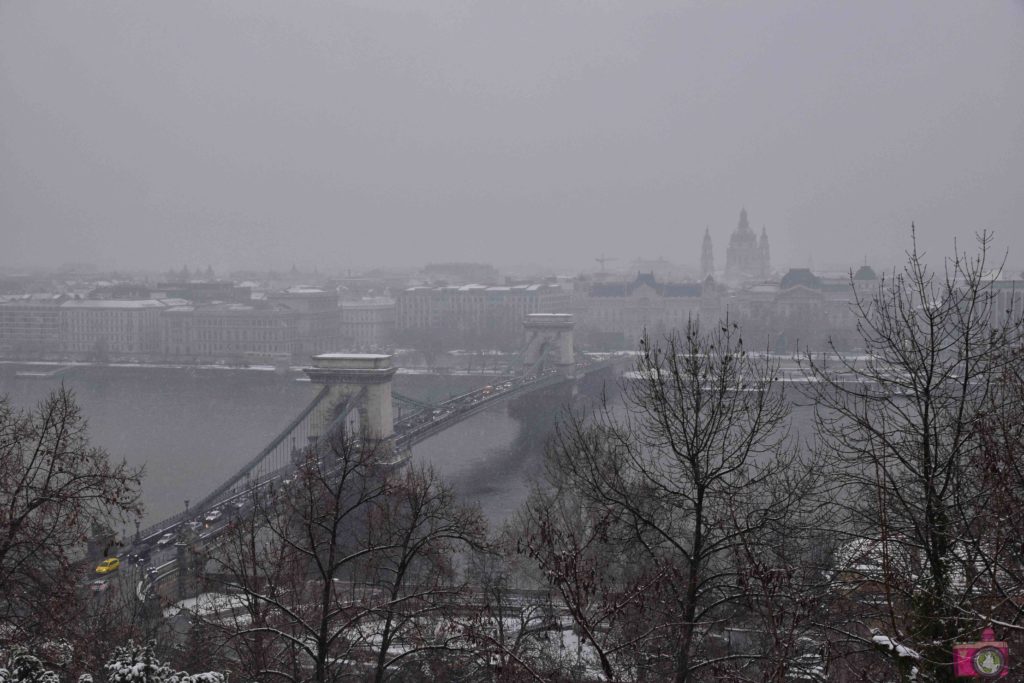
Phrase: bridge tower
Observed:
(365, 377)
(549, 332)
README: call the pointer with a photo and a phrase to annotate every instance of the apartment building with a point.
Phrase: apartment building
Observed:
(123, 327)
(477, 314)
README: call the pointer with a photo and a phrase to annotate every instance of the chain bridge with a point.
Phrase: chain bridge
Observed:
(356, 396)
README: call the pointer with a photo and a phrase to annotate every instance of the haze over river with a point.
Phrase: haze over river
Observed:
(192, 428)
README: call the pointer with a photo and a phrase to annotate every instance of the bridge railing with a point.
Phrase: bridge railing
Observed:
(409, 434)
(174, 520)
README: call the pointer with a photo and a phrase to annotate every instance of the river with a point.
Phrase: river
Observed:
(191, 428)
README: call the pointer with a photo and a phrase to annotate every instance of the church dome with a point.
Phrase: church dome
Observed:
(865, 273)
(800, 276)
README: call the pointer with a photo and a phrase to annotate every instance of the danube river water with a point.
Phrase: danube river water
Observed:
(192, 428)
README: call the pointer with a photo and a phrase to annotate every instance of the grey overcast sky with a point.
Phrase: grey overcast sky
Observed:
(368, 132)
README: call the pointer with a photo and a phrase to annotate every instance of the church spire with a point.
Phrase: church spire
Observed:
(707, 259)
(744, 225)
(764, 254)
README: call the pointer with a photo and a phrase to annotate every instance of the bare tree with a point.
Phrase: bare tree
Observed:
(287, 562)
(417, 528)
(594, 574)
(53, 486)
(339, 566)
(902, 427)
(677, 486)
(512, 619)
(110, 615)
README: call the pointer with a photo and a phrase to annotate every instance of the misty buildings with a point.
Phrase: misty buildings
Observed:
(279, 326)
(460, 273)
(614, 315)
(289, 325)
(315, 316)
(111, 326)
(196, 322)
(30, 325)
(801, 310)
(474, 315)
(201, 292)
(747, 257)
(228, 331)
(368, 323)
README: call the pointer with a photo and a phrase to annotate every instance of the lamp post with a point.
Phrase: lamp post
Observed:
(186, 507)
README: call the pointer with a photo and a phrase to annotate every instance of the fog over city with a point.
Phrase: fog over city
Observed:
(366, 133)
(511, 341)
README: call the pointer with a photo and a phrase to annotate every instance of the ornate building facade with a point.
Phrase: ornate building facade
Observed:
(747, 257)
(614, 315)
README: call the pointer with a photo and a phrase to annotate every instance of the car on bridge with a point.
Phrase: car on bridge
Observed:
(99, 585)
(165, 540)
(108, 565)
(212, 516)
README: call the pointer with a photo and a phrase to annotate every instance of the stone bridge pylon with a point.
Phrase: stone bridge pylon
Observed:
(361, 377)
(547, 335)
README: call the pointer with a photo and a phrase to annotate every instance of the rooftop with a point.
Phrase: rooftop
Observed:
(865, 272)
(112, 303)
(668, 289)
(800, 277)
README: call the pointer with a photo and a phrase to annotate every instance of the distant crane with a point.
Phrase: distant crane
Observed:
(603, 259)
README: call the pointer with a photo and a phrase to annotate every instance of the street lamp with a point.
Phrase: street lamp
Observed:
(186, 507)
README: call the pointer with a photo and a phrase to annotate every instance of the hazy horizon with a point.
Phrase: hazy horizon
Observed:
(246, 134)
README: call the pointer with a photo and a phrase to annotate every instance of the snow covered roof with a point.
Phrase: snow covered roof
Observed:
(369, 302)
(113, 303)
(481, 288)
(766, 288)
(31, 298)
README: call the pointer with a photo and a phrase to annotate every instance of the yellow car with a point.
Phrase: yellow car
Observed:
(108, 565)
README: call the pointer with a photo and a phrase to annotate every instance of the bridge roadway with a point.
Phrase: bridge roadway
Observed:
(155, 547)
